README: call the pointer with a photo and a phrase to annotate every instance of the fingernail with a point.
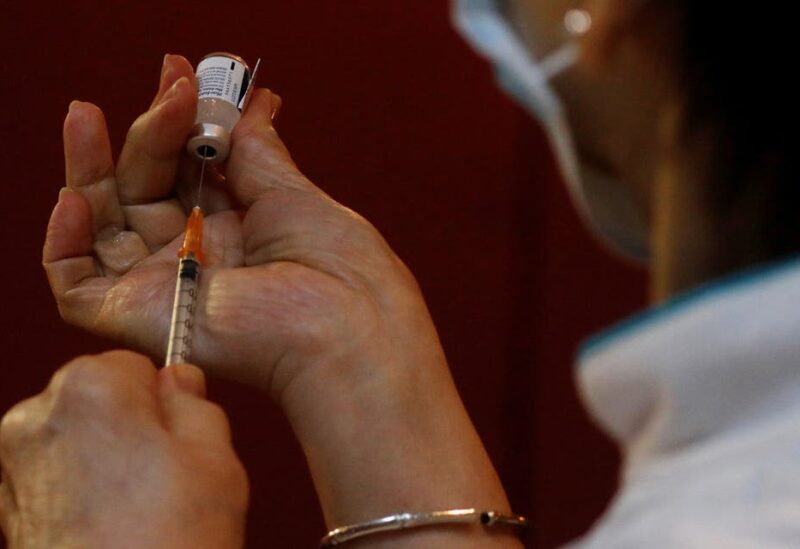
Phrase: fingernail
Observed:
(165, 66)
(72, 105)
(189, 378)
(173, 90)
(63, 191)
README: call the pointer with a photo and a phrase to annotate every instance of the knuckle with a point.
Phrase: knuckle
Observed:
(139, 140)
(12, 423)
(86, 381)
(18, 425)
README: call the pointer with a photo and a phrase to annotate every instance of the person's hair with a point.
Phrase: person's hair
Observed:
(734, 64)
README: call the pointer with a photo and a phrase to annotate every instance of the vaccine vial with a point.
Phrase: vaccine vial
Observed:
(223, 82)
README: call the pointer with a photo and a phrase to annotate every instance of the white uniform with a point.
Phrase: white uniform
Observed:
(703, 397)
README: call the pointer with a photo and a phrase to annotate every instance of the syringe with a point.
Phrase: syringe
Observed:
(219, 109)
(191, 255)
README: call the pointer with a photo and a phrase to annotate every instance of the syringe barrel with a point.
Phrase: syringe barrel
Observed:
(179, 347)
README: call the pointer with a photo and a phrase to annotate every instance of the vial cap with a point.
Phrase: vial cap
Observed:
(211, 142)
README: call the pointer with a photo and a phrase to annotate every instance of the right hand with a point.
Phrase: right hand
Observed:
(293, 282)
(114, 453)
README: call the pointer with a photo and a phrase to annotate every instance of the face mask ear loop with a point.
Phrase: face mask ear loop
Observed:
(560, 60)
(577, 23)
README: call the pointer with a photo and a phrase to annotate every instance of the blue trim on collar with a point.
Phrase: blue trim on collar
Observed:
(670, 308)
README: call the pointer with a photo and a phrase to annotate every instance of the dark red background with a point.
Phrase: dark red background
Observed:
(389, 111)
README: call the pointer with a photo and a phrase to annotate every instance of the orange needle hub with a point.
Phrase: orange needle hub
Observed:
(193, 241)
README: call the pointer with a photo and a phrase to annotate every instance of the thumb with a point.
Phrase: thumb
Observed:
(259, 161)
(185, 378)
(187, 413)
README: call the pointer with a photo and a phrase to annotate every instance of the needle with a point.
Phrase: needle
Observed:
(202, 174)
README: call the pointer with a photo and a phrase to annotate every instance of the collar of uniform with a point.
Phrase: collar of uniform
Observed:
(715, 360)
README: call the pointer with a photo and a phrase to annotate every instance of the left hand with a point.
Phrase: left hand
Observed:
(300, 296)
(117, 454)
(292, 280)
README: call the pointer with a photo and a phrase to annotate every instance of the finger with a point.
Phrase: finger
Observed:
(187, 413)
(185, 378)
(155, 142)
(156, 222)
(89, 164)
(172, 68)
(67, 249)
(117, 386)
(259, 161)
(20, 433)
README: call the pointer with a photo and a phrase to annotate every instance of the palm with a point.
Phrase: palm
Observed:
(138, 300)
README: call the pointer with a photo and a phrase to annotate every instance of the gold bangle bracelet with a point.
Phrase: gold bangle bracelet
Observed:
(403, 521)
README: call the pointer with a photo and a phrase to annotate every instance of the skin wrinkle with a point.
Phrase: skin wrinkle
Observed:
(332, 263)
(210, 327)
(71, 263)
(280, 385)
(137, 215)
(269, 248)
(383, 326)
(225, 308)
(220, 228)
(88, 285)
(273, 201)
(292, 324)
(70, 301)
(115, 301)
(110, 210)
(279, 176)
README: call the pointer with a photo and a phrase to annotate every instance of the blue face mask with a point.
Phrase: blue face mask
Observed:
(608, 206)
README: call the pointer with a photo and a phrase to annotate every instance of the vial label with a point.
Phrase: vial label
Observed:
(223, 78)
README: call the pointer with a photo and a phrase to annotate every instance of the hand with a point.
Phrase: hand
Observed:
(292, 279)
(116, 454)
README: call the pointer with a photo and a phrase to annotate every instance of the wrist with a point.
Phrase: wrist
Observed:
(387, 433)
